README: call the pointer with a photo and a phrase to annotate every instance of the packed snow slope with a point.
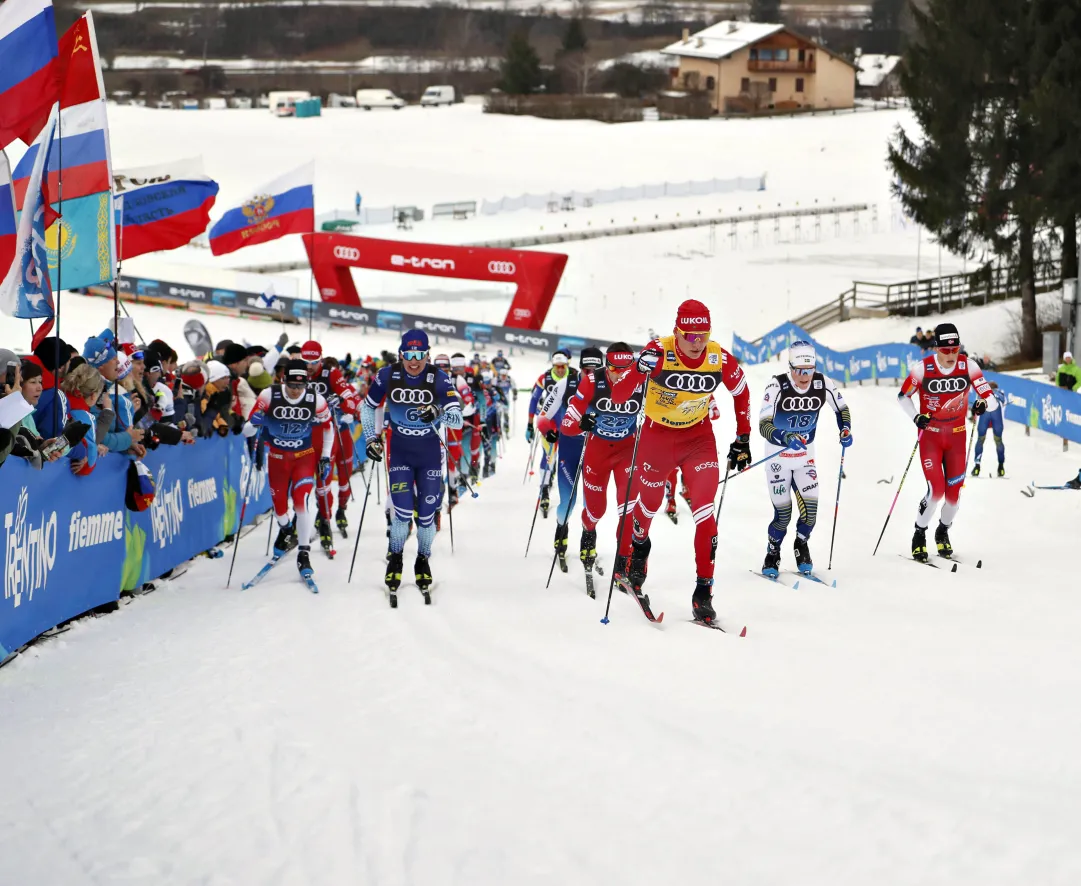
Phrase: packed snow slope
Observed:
(910, 726)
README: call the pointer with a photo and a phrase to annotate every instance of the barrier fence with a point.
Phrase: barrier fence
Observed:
(71, 544)
(1034, 404)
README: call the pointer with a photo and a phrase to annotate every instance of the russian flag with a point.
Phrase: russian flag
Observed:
(165, 207)
(28, 67)
(7, 217)
(285, 206)
(79, 155)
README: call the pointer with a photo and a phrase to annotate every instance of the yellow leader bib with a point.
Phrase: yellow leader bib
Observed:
(679, 395)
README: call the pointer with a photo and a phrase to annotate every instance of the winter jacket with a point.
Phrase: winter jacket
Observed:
(51, 413)
(112, 424)
(88, 446)
(1068, 376)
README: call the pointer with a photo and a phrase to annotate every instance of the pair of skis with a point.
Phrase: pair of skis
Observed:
(1032, 487)
(933, 565)
(800, 576)
(392, 596)
(306, 577)
(643, 603)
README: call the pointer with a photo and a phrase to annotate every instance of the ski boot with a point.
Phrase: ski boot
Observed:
(803, 556)
(619, 571)
(588, 546)
(670, 509)
(393, 578)
(285, 542)
(1075, 483)
(685, 493)
(561, 545)
(304, 563)
(1001, 469)
(342, 521)
(452, 498)
(702, 601)
(772, 565)
(422, 572)
(326, 536)
(942, 541)
(544, 502)
(474, 477)
(636, 572)
(919, 544)
(976, 469)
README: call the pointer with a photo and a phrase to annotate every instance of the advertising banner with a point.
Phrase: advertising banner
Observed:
(1041, 405)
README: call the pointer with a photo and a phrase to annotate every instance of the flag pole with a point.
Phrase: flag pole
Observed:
(59, 257)
(116, 307)
(311, 270)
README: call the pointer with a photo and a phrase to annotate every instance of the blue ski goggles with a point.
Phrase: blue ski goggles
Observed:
(414, 355)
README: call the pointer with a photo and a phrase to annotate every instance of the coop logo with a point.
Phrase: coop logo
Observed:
(86, 532)
(291, 413)
(437, 327)
(416, 398)
(537, 341)
(346, 314)
(607, 404)
(692, 382)
(166, 511)
(421, 264)
(29, 550)
(1052, 414)
(946, 385)
(202, 492)
(800, 404)
(506, 268)
(349, 253)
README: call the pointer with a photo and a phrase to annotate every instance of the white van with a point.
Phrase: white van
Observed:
(378, 98)
(437, 95)
(284, 103)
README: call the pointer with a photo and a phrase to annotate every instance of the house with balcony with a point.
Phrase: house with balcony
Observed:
(751, 67)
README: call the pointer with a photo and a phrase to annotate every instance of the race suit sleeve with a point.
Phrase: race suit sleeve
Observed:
(982, 386)
(578, 406)
(840, 408)
(258, 413)
(632, 377)
(910, 386)
(345, 392)
(768, 412)
(736, 382)
(535, 396)
(377, 393)
(551, 404)
(447, 397)
(322, 417)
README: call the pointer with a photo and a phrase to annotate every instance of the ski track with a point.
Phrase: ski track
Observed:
(907, 727)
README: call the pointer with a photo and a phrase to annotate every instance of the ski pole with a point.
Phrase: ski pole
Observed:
(919, 437)
(836, 505)
(574, 489)
(540, 495)
(724, 488)
(529, 464)
(450, 513)
(971, 440)
(240, 524)
(360, 526)
(744, 471)
(461, 476)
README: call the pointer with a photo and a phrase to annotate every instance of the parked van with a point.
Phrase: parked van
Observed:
(334, 100)
(437, 95)
(284, 104)
(378, 98)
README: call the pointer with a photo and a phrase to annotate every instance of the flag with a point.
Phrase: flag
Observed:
(285, 206)
(28, 67)
(7, 217)
(78, 179)
(25, 291)
(165, 206)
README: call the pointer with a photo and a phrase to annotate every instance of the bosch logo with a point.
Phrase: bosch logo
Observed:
(608, 405)
(800, 404)
(507, 268)
(420, 264)
(291, 413)
(419, 397)
(349, 253)
(690, 382)
(945, 385)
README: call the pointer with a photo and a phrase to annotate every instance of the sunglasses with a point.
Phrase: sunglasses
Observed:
(949, 350)
(414, 355)
(798, 371)
(694, 337)
(623, 363)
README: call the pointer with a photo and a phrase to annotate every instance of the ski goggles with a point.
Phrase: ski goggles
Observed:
(619, 361)
(694, 337)
(801, 371)
(951, 350)
(416, 356)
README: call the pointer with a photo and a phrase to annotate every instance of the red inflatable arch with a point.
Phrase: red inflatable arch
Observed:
(537, 274)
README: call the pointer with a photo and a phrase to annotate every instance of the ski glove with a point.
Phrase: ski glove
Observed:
(979, 407)
(739, 453)
(846, 438)
(374, 449)
(922, 420)
(324, 469)
(795, 442)
(552, 436)
(529, 432)
(588, 422)
(429, 413)
(648, 359)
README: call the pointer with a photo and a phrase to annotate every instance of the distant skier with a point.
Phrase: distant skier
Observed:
(560, 369)
(288, 415)
(994, 420)
(788, 420)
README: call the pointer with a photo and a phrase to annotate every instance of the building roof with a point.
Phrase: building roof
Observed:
(722, 39)
(872, 69)
(648, 58)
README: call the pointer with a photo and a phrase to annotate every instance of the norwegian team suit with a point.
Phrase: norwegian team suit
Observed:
(342, 399)
(415, 455)
(610, 446)
(792, 472)
(569, 448)
(289, 430)
(943, 396)
(677, 432)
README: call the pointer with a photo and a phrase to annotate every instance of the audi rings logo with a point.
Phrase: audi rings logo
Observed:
(291, 413)
(349, 253)
(606, 404)
(416, 398)
(692, 382)
(506, 268)
(946, 385)
(800, 404)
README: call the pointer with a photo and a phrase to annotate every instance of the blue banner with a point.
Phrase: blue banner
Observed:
(1040, 405)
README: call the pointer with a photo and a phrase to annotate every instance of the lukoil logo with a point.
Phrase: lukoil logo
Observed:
(202, 492)
(349, 253)
(96, 529)
(166, 511)
(1052, 414)
(412, 261)
(506, 268)
(29, 550)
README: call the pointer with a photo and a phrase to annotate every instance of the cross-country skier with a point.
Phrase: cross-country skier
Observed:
(500, 363)
(568, 447)
(327, 379)
(992, 419)
(559, 370)
(465, 447)
(683, 369)
(289, 415)
(419, 399)
(612, 425)
(788, 420)
(942, 380)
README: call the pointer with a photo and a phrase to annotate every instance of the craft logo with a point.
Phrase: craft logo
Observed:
(29, 550)
(257, 209)
(1052, 414)
(166, 511)
(202, 492)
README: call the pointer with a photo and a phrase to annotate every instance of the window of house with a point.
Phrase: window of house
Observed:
(772, 84)
(754, 55)
(799, 84)
(711, 83)
(780, 55)
(802, 53)
(745, 84)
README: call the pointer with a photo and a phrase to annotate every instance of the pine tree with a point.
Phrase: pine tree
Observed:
(521, 70)
(574, 38)
(768, 11)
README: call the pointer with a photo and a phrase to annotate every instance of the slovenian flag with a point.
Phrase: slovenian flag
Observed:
(8, 224)
(28, 68)
(165, 206)
(285, 206)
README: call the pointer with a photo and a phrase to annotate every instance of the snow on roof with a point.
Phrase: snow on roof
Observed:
(722, 39)
(872, 69)
(649, 58)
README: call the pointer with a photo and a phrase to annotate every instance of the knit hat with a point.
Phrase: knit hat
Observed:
(123, 366)
(195, 374)
(619, 355)
(151, 360)
(591, 358)
(296, 373)
(693, 317)
(414, 340)
(311, 351)
(6, 357)
(218, 370)
(258, 377)
(234, 353)
(97, 351)
(47, 350)
(30, 369)
(947, 336)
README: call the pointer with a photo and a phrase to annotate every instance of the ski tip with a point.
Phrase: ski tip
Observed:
(660, 618)
(743, 633)
(834, 583)
(954, 569)
(795, 586)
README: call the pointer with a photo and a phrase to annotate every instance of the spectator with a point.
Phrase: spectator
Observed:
(28, 442)
(192, 381)
(100, 353)
(237, 359)
(1069, 373)
(113, 421)
(216, 406)
(259, 378)
(52, 411)
(82, 386)
(7, 435)
(917, 339)
(219, 348)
